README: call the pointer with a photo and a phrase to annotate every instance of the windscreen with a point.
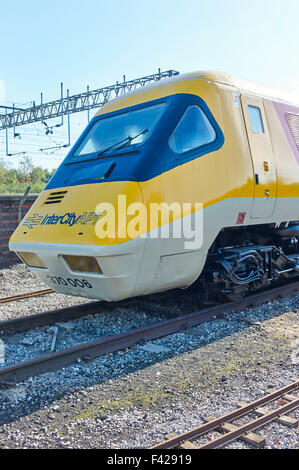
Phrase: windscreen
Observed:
(126, 129)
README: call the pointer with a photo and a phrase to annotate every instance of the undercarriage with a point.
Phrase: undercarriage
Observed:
(255, 258)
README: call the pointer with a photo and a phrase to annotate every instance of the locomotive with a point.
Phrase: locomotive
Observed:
(224, 148)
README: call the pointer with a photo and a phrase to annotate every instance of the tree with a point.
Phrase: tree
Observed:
(26, 166)
(16, 180)
(37, 174)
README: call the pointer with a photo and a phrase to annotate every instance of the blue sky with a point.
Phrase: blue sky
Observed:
(95, 42)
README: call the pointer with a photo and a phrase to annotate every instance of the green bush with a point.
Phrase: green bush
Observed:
(17, 180)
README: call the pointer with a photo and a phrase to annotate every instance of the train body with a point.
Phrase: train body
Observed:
(222, 147)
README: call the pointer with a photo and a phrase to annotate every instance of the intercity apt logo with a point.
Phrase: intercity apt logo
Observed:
(69, 219)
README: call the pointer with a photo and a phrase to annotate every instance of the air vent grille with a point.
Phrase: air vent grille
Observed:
(55, 198)
(293, 122)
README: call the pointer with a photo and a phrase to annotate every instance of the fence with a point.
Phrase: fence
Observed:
(10, 206)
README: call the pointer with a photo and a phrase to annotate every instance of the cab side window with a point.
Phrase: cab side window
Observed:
(194, 130)
(256, 120)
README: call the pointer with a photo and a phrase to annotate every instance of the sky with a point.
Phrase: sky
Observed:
(96, 42)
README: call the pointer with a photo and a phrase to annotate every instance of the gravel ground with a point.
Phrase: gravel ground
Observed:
(131, 399)
(18, 280)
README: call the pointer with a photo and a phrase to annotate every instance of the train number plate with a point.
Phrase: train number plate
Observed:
(58, 280)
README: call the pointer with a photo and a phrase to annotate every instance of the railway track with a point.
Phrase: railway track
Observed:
(10, 375)
(26, 295)
(283, 401)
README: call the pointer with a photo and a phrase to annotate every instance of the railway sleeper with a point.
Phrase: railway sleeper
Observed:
(187, 445)
(250, 437)
(284, 419)
(233, 432)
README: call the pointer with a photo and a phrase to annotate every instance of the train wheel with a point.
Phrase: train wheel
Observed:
(238, 293)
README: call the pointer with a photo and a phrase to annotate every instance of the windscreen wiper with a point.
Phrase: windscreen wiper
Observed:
(122, 143)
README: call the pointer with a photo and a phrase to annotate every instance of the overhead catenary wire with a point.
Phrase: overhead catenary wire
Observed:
(30, 114)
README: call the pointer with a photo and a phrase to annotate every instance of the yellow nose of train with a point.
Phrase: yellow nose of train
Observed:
(74, 244)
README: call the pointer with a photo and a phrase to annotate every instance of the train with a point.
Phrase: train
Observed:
(191, 181)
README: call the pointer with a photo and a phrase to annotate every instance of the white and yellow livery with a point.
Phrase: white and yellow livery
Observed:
(226, 147)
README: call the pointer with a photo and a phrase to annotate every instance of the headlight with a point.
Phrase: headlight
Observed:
(31, 260)
(82, 264)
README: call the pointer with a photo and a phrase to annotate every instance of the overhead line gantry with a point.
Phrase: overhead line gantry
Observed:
(76, 103)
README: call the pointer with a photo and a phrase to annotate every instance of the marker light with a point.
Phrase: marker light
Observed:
(86, 264)
(31, 260)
